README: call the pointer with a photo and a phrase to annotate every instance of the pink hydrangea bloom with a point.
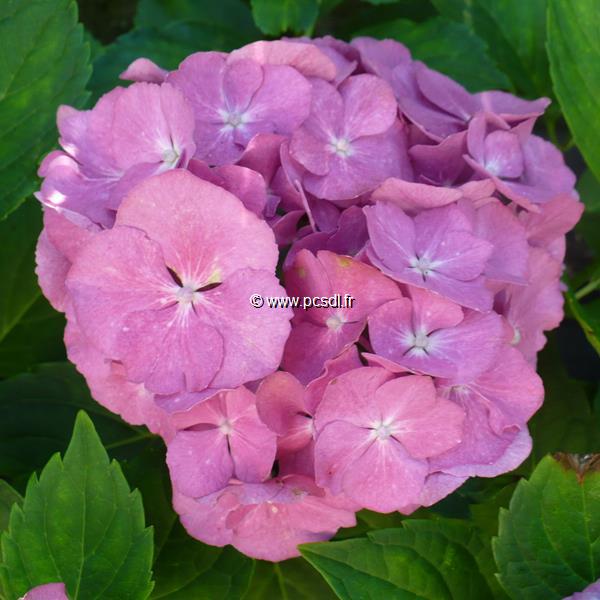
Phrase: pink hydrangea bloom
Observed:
(437, 250)
(328, 331)
(233, 100)
(223, 439)
(266, 520)
(498, 403)
(429, 334)
(174, 292)
(129, 135)
(308, 168)
(524, 167)
(352, 140)
(375, 434)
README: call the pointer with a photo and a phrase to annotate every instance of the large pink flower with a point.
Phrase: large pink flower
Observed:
(236, 98)
(352, 139)
(328, 331)
(432, 335)
(166, 291)
(223, 438)
(265, 520)
(375, 434)
(129, 135)
(437, 250)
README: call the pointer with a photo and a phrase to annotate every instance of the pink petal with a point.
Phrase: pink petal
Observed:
(199, 462)
(306, 58)
(143, 69)
(369, 106)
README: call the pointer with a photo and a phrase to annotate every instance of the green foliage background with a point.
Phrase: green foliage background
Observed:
(531, 534)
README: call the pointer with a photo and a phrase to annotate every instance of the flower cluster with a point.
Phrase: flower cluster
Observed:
(308, 168)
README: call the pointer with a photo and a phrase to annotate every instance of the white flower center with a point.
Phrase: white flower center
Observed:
(226, 428)
(334, 323)
(419, 341)
(170, 157)
(341, 147)
(186, 294)
(383, 430)
(516, 336)
(422, 265)
(232, 119)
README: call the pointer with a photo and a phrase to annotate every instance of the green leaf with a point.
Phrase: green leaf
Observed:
(275, 17)
(548, 543)
(20, 290)
(564, 422)
(30, 330)
(36, 338)
(44, 63)
(8, 497)
(291, 579)
(515, 32)
(37, 411)
(186, 568)
(446, 46)
(431, 559)
(231, 15)
(574, 51)
(167, 32)
(79, 524)
(588, 316)
(589, 225)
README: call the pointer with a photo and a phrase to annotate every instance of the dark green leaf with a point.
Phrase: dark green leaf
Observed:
(44, 63)
(589, 226)
(167, 32)
(79, 524)
(275, 17)
(548, 545)
(564, 422)
(30, 330)
(167, 47)
(231, 15)
(446, 46)
(8, 497)
(432, 559)
(587, 314)
(574, 51)
(186, 568)
(515, 32)
(292, 579)
(37, 411)
(36, 338)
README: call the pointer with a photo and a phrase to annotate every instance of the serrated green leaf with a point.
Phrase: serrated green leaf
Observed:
(45, 62)
(275, 17)
(186, 568)
(446, 46)
(80, 524)
(574, 51)
(548, 544)
(293, 579)
(8, 497)
(589, 225)
(515, 32)
(429, 559)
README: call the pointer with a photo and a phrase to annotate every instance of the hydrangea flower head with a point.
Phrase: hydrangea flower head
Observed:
(295, 170)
